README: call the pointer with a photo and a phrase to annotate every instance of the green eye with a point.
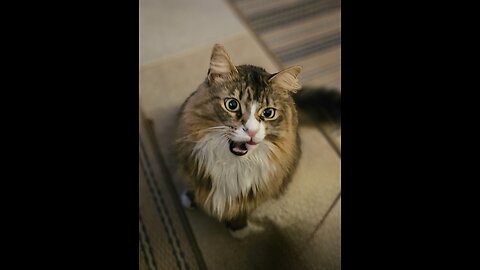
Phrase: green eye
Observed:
(269, 113)
(232, 104)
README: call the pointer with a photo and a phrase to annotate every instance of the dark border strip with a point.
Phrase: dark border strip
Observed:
(159, 206)
(179, 208)
(143, 231)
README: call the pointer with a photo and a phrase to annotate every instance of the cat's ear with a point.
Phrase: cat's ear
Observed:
(221, 67)
(286, 79)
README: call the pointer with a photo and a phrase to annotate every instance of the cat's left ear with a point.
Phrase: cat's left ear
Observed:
(286, 79)
(221, 66)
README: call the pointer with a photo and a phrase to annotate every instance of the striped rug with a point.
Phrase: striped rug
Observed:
(298, 32)
(165, 237)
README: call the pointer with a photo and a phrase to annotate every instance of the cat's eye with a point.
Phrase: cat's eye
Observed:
(232, 104)
(269, 113)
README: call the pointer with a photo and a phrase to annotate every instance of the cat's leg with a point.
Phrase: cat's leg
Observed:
(188, 199)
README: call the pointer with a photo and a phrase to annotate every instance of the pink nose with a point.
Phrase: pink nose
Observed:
(251, 132)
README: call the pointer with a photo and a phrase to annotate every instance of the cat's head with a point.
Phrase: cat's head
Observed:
(253, 106)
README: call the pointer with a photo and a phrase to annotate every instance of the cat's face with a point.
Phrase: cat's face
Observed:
(242, 108)
(251, 110)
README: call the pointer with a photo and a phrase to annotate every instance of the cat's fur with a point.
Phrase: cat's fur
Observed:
(211, 139)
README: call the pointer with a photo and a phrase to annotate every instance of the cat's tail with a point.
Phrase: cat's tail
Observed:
(320, 104)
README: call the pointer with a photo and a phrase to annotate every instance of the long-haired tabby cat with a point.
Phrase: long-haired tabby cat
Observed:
(237, 139)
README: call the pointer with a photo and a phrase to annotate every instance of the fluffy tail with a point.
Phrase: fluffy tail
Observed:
(322, 105)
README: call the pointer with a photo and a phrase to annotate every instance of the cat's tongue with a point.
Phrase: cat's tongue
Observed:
(238, 148)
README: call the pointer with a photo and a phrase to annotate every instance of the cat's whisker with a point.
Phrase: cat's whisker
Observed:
(216, 128)
(226, 136)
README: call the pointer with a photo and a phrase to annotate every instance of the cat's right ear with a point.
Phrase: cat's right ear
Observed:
(221, 66)
(286, 79)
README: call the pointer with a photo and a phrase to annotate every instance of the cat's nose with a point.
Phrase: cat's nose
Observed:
(251, 132)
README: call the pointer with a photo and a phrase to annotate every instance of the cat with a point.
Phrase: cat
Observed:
(237, 139)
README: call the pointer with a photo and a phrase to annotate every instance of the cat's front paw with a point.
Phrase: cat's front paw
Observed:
(245, 231)
(187, 199)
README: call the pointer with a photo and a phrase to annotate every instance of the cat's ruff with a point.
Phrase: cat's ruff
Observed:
(232, 176)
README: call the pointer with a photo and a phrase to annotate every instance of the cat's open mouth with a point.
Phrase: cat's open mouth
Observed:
(240, 148)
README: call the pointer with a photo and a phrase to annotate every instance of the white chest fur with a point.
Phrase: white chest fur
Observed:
(231, 175)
